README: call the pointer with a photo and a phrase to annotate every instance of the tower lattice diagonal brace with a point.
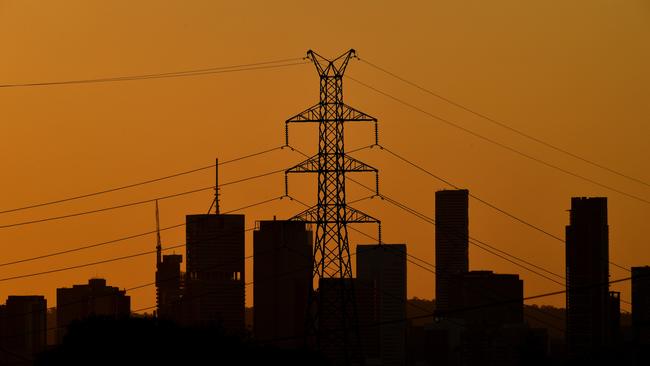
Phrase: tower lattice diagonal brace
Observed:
(332, 321)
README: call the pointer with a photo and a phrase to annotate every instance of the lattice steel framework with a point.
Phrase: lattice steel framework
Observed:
(331, 214)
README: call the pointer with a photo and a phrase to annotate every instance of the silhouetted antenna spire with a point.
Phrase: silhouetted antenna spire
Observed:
(215, 201)
(158, 240)
(216, 187)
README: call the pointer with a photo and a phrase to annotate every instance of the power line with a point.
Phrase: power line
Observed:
(478, 243)
(482, 244)
(512, 216)
(173, 74)
(505, 302)
(506, 126)
(424, 316)
(428, 263)
(148, 284)
(119, 188)
(414, 317)
(139, 202)
(87, 264)
(123, 257)
(82, 213)
(447, 182)
(473, 241)
(435, 274)
(94, 245)
(84, 247)
(501, 145)
(113, 240)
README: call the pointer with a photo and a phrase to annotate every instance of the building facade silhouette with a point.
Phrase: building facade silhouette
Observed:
(587, 275)
(383, 267)
(215, 272)
(331, 291)
(486, 298)
(452, 241)
(23, 329)
(83, 301)
(641, 304)
(282, 268)
(169, 287)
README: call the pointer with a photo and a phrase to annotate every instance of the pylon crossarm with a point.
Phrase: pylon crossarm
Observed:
(313, 216)
(312, 165)
(354, 216)
(351, 164)
(311, 114)
(308, 166)
(351, 114)
(309, 215)
(348, 114)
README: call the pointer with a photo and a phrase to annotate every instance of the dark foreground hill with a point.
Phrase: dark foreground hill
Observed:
(148, 341)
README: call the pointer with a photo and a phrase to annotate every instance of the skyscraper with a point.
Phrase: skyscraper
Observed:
(214, 279)
(82, 301)
(452, 241)
(641, 304)
(384, 267)
(23, 329)
(587, 275)
(282, 268)
(169, 287)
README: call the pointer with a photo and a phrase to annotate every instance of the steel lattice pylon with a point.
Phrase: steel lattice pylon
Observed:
(332, 321)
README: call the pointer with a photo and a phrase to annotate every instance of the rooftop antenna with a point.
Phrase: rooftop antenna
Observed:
(216, 187)
(215, 201)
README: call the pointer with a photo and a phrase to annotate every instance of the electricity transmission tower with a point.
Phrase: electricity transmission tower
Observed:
(332, 321)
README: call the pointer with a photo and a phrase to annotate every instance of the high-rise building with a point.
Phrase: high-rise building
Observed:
(93, 299)
(452, 241)
(384, 267)
(23, 329)
(487, 299)
(169, 287)
(282, 268)
(641, 304)
(587, 276)
(214, 278)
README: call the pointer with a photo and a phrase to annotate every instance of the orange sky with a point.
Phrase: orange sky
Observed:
(571, 73)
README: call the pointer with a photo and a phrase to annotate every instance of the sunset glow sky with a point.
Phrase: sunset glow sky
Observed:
(572, 73)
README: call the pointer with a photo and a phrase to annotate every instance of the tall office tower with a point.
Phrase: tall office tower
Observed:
(641, 304)
(23, 329)
(452, 241)
(282, 268)
(214, 278)
(83, 301)
(587, 276)
(169, 287)
(384, 267)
